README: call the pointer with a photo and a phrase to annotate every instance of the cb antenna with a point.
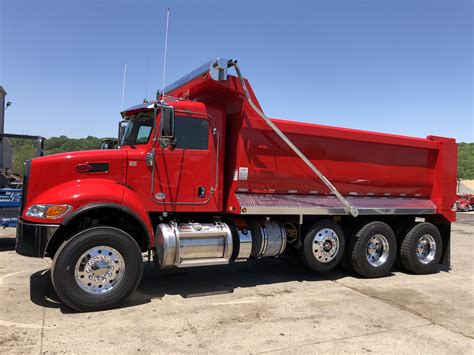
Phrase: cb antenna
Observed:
(145, 100)
(166, 52)
(123, 83)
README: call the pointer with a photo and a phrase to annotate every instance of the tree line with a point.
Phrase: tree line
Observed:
(24, 149)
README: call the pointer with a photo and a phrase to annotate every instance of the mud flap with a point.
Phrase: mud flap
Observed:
(445, 230)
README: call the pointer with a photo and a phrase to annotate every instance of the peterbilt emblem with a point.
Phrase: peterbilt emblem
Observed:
(160, 196)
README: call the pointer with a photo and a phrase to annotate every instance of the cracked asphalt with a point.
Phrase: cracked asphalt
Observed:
(264, 306)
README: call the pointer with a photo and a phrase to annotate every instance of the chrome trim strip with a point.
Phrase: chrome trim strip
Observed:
(279, 204)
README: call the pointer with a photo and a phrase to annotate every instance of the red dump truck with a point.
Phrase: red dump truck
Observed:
(464, 202)
(203, 177)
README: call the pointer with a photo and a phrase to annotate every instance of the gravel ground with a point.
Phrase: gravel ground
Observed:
(260, 306)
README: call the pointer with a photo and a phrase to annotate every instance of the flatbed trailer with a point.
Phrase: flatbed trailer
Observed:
(203, 177)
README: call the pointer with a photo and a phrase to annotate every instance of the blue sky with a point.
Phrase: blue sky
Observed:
(396, 66)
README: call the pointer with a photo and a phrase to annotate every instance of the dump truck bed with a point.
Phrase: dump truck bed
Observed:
(378, 172)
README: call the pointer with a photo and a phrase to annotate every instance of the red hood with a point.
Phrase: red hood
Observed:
(52, 170)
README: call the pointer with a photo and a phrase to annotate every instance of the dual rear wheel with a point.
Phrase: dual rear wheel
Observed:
(371, 251)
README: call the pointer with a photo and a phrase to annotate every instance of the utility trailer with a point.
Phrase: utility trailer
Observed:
(203, 177)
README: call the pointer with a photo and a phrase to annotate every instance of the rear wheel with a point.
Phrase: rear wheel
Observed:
(373, 250)
(323, 246)
(97, 269)
(421, 249)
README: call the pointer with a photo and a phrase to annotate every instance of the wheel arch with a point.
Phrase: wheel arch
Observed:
(97, 214)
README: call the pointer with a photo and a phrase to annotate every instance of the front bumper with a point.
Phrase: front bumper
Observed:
(32, 238)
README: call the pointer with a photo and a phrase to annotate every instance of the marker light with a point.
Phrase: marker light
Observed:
(48, 211)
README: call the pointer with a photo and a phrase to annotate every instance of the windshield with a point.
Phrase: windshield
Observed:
(138, 129)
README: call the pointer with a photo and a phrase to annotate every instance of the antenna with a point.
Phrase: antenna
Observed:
(123, 84)
(166, 52)
(146, 80)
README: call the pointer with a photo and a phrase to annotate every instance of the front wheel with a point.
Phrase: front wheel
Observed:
(97, 269)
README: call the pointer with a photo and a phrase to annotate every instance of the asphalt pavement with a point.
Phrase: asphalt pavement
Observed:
(255, 307)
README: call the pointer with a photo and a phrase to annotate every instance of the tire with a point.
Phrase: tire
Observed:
(323, 246)
(426, 262)
(373, 250)
(349, 229)
(115, 270)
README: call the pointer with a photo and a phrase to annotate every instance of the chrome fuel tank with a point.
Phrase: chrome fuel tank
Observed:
(193, 244)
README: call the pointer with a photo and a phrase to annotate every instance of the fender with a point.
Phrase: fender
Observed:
(77, 193)
(84, 195)
(138, 215)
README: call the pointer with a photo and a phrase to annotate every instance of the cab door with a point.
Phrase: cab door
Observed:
(184, 175)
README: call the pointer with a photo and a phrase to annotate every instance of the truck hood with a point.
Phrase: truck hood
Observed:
(52, 170)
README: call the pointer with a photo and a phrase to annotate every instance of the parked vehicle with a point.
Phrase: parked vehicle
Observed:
(203, 177)
(465, 202)
(109, 143)
(10, 182)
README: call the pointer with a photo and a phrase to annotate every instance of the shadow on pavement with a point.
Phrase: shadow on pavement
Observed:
(195, 282)
(42, 293)
(7, 243)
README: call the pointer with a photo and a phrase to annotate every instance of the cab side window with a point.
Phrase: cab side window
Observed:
(191, 133)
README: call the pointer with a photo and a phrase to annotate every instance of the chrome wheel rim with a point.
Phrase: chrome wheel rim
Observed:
(377, 250)
(425, 249)
(325, 245)
(99, 270)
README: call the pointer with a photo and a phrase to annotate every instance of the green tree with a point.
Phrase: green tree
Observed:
(466, 161)
(24, 149)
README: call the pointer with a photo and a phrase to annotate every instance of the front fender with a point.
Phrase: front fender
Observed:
(90, 193)
(77, 194)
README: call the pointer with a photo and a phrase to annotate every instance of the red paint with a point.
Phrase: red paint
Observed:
(362, 162)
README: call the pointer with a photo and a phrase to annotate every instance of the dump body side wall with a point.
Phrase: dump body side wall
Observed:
(357, 162)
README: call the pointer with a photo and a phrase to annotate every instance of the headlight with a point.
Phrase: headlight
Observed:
(48, 211)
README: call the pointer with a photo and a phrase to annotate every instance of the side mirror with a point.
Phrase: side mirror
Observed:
(167, 122)
(121, 130)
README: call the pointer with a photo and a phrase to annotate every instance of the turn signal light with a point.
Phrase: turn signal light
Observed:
(56, 211)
